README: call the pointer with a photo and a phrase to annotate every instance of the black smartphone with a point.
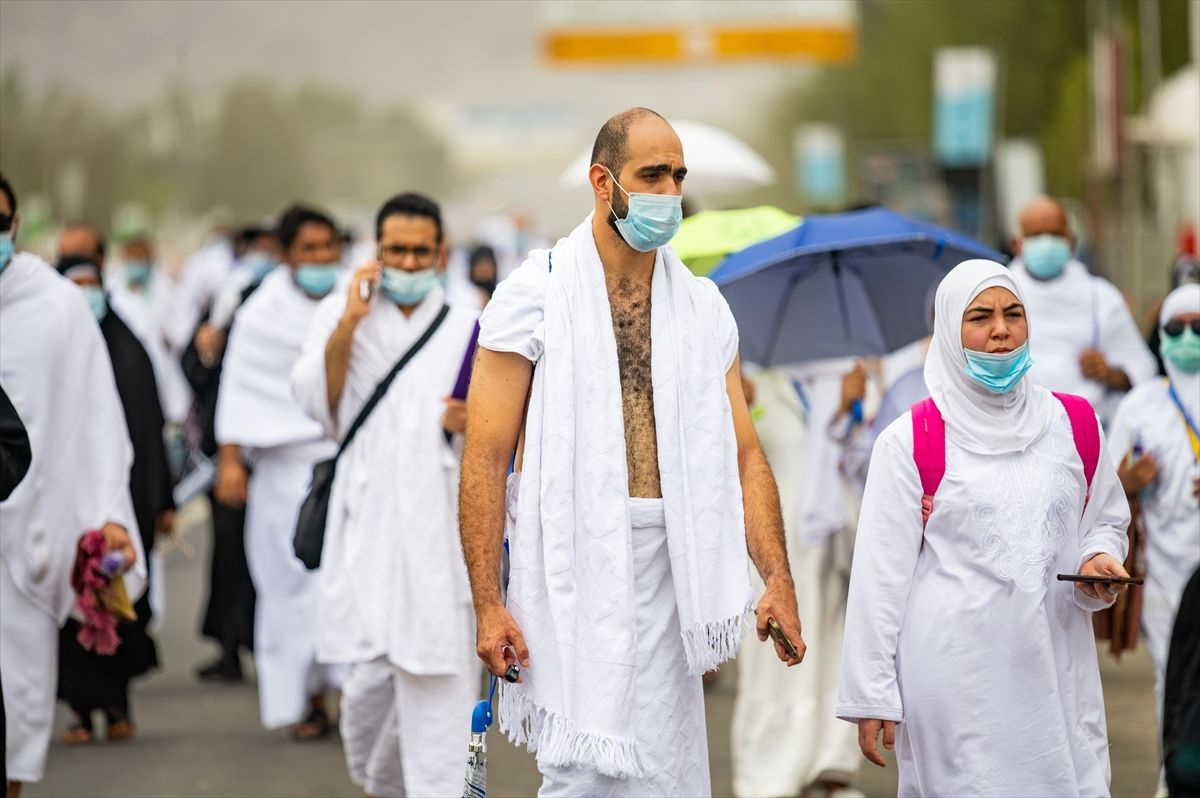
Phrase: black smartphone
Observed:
(777, 633)
(1102, 580)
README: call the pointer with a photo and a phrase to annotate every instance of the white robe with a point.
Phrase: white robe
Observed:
(960, 633)
(173, 390)
(1074, 312)
(393, 579)
(964, 635)
(256, 410)
(1149, 419)
(784, 734)
(55, 367)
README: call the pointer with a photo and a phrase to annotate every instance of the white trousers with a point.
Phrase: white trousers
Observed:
(405, 736)
(671, 736)
(29, 669)
(285, 609)
(784, 732)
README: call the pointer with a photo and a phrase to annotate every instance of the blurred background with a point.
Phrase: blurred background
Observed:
(177, 117)
(155, 114)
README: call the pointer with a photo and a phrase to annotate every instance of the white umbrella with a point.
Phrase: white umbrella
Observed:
(717, 161)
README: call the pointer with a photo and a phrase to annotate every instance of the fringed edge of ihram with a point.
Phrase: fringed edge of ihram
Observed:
(557, 742)
(708, 644)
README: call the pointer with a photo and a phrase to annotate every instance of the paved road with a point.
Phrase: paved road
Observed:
(197, 739)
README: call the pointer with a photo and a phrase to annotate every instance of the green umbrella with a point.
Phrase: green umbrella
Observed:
(705, 238)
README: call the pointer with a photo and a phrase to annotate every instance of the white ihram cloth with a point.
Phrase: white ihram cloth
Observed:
(392, 579)
(1149, 419)
(1077, 311)
(55, 367)
(671, 734)
(173, 390)
(962, 634)
(784, 734)
(256, 410)
(573, 590)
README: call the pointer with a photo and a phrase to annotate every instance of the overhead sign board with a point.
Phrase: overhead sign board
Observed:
(691, 31)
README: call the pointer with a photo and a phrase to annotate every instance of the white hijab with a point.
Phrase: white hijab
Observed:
(977, 419)
(1184, 299)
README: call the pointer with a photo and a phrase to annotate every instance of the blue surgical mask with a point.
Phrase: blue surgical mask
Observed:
(998, 373)
(1045, 256)
(1182, 350)
(137, 273)
(408, 288)
(259, 265)
(317, 279)
(6, 250)
(652, 219)
(96, 299)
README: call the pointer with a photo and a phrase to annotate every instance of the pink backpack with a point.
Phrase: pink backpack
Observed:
(929, 444)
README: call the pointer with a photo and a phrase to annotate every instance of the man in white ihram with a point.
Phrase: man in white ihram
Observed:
(1088, 343)
(55, 367)
(640, 486)
(258, 422)
(394, 602)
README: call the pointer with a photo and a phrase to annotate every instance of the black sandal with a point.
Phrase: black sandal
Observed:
(314, 727)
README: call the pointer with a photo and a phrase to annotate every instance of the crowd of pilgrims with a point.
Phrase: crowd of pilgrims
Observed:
(139, 391)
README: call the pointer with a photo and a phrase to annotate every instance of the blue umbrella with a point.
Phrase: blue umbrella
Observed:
(839, 285)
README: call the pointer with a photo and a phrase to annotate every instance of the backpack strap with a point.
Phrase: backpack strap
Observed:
(929, 451)
(1086, 430)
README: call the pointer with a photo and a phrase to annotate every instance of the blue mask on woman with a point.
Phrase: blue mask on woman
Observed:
(317, 279)
(999, 373)
(408, 288)
(1045, 256)
(651, 220)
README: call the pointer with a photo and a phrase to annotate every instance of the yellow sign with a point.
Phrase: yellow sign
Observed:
(615, 45)
(590, 46)
(819, 44)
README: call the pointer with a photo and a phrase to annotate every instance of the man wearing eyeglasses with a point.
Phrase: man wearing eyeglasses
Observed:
(394, 603)
(1155, 436)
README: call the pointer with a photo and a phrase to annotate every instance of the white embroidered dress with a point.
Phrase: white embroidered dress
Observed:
(961, 633)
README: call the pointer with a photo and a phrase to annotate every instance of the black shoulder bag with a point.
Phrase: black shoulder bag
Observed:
(310, 526)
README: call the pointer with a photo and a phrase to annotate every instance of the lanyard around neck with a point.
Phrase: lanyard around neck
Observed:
(1189, 422)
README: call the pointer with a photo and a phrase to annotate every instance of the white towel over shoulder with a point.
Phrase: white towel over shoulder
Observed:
(571, 588)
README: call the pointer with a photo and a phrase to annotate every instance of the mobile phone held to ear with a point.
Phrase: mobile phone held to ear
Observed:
(1102, 580)
(778, 635)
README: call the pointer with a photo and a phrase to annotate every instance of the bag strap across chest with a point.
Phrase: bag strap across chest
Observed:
(929, 444)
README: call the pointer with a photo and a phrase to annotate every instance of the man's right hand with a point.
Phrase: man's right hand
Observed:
(208, 343)
(356, 306)
(868, 738)
(1137, 474)
(854, 387)
(495, 630)
(232, 482)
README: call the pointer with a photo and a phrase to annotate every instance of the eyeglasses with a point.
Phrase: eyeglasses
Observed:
(1174, 328)
(397, 253)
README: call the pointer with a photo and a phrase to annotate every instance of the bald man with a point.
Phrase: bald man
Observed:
(1087, 342)
(639, 486)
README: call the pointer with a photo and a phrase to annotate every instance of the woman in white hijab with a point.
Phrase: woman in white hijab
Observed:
(1156, 444)
(960, 645)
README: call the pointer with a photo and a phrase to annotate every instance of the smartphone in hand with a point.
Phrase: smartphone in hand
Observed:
(1102, 580)
(778, 635)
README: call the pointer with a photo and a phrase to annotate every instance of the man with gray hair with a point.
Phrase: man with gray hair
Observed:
(611, 372)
